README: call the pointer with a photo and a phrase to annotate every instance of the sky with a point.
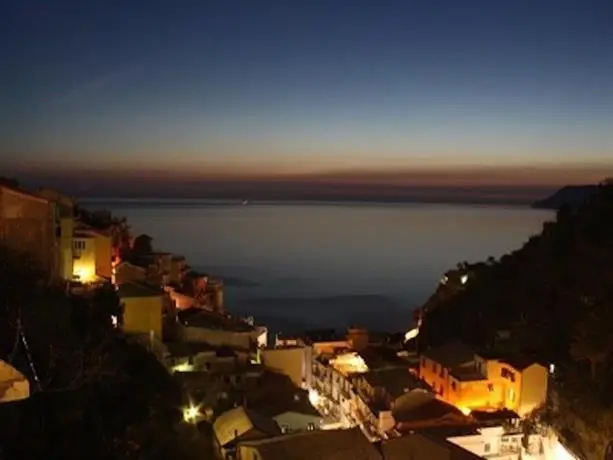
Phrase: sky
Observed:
(118, 96)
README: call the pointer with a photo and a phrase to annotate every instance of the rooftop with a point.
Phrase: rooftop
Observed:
(419, 446)
(396, 381)
(277, 394)
(240, 421)
(419, 407)
(320, 444)
(451, 354)
(198, 317)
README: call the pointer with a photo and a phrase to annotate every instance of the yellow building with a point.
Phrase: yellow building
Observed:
(143, 308)
(461, 377)
(65, 225)
(92, 255)
(28, 225)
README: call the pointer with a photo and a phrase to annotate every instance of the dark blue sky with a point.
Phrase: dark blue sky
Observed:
(308, 87)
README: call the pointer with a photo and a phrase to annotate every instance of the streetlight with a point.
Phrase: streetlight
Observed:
(191, 413)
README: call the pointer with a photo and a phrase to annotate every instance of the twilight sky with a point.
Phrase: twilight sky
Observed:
(417, 94)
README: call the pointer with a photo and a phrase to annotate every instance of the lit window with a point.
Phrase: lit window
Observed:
(511, 395)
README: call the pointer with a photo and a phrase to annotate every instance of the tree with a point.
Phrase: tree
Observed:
(143, 245)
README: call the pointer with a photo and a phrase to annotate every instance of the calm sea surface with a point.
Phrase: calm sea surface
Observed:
(305, 265)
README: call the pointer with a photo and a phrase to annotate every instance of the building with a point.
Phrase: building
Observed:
(294, 361)
(92, 255)
(144, 308)
(277, 397)
(321, 445)
(239, 425)
(65, 225)
(217, 329)
(381, 392)
(14, 386)
(28, 225)
(492, 443)
(422, 411)
(127, 272)
(470, 381)
(418, 446)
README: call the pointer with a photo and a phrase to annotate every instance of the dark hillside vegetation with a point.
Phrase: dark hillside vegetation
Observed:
(94, 393)
(551, 299)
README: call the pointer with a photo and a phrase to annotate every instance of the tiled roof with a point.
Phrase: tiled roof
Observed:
(320, 444)
(419, 446)
(396, 381)
(236, 422)
(277, 394)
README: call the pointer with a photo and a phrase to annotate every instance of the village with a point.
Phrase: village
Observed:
(351, 395)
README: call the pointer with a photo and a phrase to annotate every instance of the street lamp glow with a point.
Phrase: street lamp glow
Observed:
(191, 413)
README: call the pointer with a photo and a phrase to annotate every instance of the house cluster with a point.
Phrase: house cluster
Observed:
(449, 399)
(317, 395)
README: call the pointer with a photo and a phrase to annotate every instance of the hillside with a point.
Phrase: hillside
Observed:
(573, 195)
(553, 299)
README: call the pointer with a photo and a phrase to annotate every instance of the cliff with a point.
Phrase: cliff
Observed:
(550, 299)
(572, 195)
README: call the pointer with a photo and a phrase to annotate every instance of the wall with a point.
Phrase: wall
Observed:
(66, 250)
(533, 390)
(218, 337)
(84, 263)
(329, 348)
(143, 314)
(293, 362)
(103, 248)
(27, 224)
(125, 273)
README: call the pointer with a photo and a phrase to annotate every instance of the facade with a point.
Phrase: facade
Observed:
(199, 325)
(295, 362)
(492, 443)
(144, 309)
(65, 225)
(28, 225)
(92, 255)
(469, 381)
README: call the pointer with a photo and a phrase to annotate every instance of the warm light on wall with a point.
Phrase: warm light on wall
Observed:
(183, 367)
(349, 363)
(84, 273)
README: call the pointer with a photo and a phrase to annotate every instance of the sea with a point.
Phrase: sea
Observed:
(309, 265)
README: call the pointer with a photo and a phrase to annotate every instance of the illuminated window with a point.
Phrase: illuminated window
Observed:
(511, 395)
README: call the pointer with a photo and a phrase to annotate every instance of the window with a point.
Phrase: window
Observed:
(511, 395)
(490, 387)
(507, 374)
(453, 386)
(434, 368)
(487, 447)
(310, 426)
(442, 392)
(423, 362)
(442, 373)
